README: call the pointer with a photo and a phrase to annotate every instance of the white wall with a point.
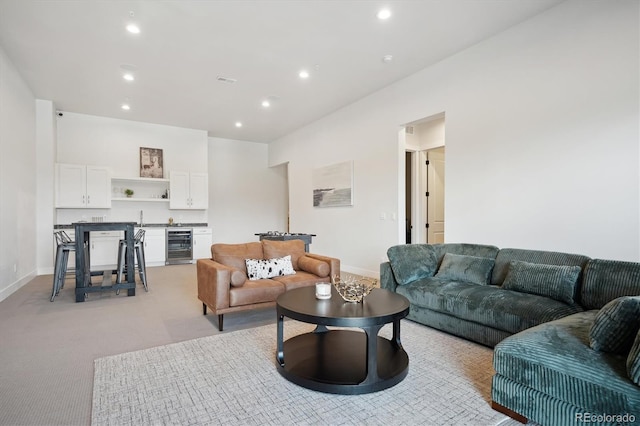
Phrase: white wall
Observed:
(245, 195)
(45, 157)
(17, 180)
(116, 143)
(542, 143)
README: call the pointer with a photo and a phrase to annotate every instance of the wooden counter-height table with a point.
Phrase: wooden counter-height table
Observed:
(83, 230)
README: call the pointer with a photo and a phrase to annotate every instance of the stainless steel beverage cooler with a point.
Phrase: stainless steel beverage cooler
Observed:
(179, 245)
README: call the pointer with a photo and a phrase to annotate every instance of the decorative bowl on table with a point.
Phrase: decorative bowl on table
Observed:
(354, 290)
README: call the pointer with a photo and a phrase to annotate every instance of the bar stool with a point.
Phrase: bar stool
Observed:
(138, 246)
(65, 245)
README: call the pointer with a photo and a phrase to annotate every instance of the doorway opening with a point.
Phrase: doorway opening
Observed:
(424, 163)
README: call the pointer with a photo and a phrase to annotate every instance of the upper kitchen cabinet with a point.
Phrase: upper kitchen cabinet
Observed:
(79, 186)
(188, 190)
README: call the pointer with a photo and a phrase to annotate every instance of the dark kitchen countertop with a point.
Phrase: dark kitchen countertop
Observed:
(146, 225)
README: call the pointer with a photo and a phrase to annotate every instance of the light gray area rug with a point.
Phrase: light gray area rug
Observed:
(231, 379)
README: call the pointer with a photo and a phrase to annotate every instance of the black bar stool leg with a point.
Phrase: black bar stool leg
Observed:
(56, 273)
(142, 267)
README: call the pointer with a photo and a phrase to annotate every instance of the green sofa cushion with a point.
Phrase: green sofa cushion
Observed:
(411, 262)
(616, 325)
(471, 269)
(556, 282)
(488, 305)
(467, 249)
(506, 255)
(633, 361)
(556, 360)
(605, 280)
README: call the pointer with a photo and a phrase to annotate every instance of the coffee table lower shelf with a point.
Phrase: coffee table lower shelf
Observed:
(335, 361)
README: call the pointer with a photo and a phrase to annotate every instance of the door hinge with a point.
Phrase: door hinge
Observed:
(426, 162)
(426, 194)
(426, 225)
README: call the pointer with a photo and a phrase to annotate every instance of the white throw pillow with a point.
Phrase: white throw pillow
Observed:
(258, 269)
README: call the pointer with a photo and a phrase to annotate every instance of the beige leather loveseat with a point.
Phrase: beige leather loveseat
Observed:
(224, 285)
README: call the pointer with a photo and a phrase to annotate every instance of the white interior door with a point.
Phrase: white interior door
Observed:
(435, 198)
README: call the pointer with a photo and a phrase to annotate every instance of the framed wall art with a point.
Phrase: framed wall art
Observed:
(333, 185)
(151, 163)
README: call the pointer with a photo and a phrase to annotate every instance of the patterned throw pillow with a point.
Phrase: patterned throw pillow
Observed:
(258, 269)
(471, 269)
(557, 282)
(616, 325)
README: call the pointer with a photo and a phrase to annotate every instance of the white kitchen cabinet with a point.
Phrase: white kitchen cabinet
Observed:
(79, 186)
(202, 240)
(188, 190)
(154, 246)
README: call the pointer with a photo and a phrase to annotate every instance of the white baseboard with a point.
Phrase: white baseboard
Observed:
(15, 286)
(360, 271)
(46, 271)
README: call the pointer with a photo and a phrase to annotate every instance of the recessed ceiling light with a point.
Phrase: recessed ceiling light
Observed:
(133, 29)
(387, 59)
(384, 14)
(126, 107)
(238, 124)
(303, 74)
(128, 77)
(226, 79)
(266, 103)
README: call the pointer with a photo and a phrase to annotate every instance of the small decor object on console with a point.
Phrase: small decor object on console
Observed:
(353, 290)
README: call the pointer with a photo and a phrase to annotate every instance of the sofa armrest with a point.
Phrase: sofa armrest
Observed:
(214, 283)
(334, 264)
(387, 279)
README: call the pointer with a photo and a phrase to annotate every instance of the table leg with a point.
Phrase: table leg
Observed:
(396, 334)
(82, 238)
(372, 354)
(320, 329)
(280, 341)
(130, 261)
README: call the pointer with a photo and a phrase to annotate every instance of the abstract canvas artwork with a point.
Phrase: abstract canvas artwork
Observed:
(333, 185)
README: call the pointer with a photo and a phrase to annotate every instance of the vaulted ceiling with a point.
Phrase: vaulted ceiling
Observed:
(76, 53)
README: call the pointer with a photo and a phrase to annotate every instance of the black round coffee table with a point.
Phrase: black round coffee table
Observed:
(342, 361)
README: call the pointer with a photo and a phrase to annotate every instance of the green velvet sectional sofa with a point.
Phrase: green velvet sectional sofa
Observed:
(564, 327)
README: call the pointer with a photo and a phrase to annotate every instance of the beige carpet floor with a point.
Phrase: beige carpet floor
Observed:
(231, 379)
(48, 349)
